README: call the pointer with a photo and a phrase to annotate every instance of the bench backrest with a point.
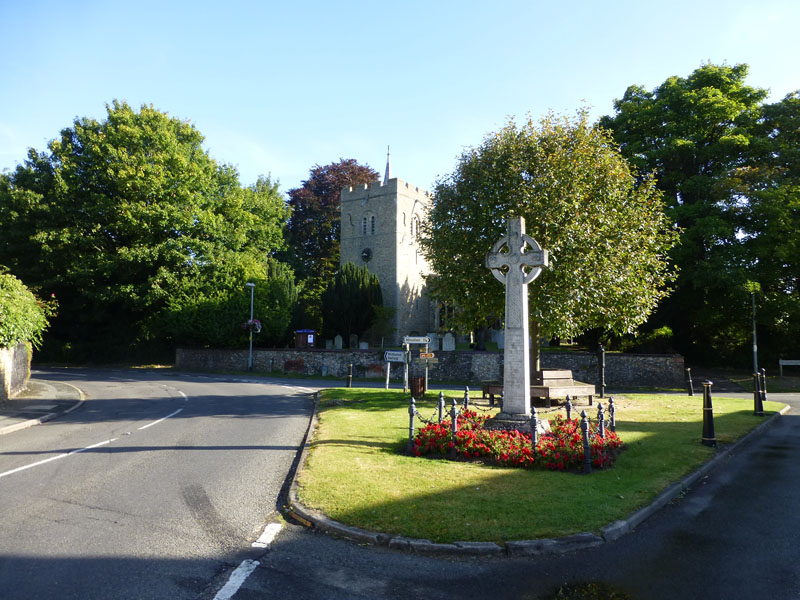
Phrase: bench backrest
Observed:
(786, 363)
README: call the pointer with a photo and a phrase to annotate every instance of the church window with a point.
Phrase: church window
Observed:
(368, 224)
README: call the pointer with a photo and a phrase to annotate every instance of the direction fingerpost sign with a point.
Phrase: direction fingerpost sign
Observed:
(394, 356)
(416, 340)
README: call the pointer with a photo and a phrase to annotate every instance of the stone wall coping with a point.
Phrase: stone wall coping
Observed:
(381, 350)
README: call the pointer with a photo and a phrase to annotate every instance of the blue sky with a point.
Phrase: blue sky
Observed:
(278, 87)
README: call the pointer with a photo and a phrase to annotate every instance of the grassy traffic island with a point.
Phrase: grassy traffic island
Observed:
(359, 473)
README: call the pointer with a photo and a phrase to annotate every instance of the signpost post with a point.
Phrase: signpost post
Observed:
(426, 364)
(407, 341)
(405, 368)
(391, 356)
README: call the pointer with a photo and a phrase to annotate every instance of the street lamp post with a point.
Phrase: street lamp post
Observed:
(252, 287)
(755, 344)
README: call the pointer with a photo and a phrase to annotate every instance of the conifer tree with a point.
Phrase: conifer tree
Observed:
(349, 300)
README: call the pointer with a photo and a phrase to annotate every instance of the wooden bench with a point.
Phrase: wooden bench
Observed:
(548, 385)
(787, 363)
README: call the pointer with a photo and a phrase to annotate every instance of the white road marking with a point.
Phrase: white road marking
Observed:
(236, 580)
(172, 414)
(297, 388)
(242, 572)
(302, 390)
(56, 457)
(266, 538)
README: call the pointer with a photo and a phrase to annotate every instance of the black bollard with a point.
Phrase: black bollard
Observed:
(466, 397)
(569, 409)
(758, 404)
(350, 376)
(441, 406)
(689, 383)
(612, 418)
(709, 437)
(412, 409)
(587, 451)
(601, 421)
(454, 427)
(534, 427)
(601, 365)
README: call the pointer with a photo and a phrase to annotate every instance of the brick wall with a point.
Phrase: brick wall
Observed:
(622, 370)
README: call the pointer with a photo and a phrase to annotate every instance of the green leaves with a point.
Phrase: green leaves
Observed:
(23, 318)
(605, 230)
(125, 215)
(727, 166)
(213, 317)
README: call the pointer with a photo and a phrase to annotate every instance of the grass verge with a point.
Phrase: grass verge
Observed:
(775, 384)
(356, 473)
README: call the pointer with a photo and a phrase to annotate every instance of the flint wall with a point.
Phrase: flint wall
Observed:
(622, 370)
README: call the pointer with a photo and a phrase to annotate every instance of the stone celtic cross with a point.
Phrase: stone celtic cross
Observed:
(516, 368)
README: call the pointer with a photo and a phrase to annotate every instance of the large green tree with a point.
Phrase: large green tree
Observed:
(312, 234)
(121, 215)
(605, 231)
(768, 186)
(693, 133)
(349, 302)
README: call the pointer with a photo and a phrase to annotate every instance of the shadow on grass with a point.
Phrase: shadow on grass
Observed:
(391, 447)
(458, 500)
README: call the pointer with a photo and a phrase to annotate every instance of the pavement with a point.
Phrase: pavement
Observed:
(39, 402)
(42, 401)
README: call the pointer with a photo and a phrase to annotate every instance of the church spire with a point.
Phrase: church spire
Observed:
(388, 175)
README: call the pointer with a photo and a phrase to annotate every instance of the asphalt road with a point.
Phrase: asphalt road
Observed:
(155, 488)
(187, 474)
(734, 535)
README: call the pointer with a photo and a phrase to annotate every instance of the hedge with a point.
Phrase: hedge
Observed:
(23, 318)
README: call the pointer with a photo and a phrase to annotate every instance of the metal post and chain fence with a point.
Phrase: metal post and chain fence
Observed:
(457, 409)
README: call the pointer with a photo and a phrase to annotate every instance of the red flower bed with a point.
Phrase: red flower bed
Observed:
(560, 449)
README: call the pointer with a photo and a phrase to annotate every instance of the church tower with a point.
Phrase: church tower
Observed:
(380, 229)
